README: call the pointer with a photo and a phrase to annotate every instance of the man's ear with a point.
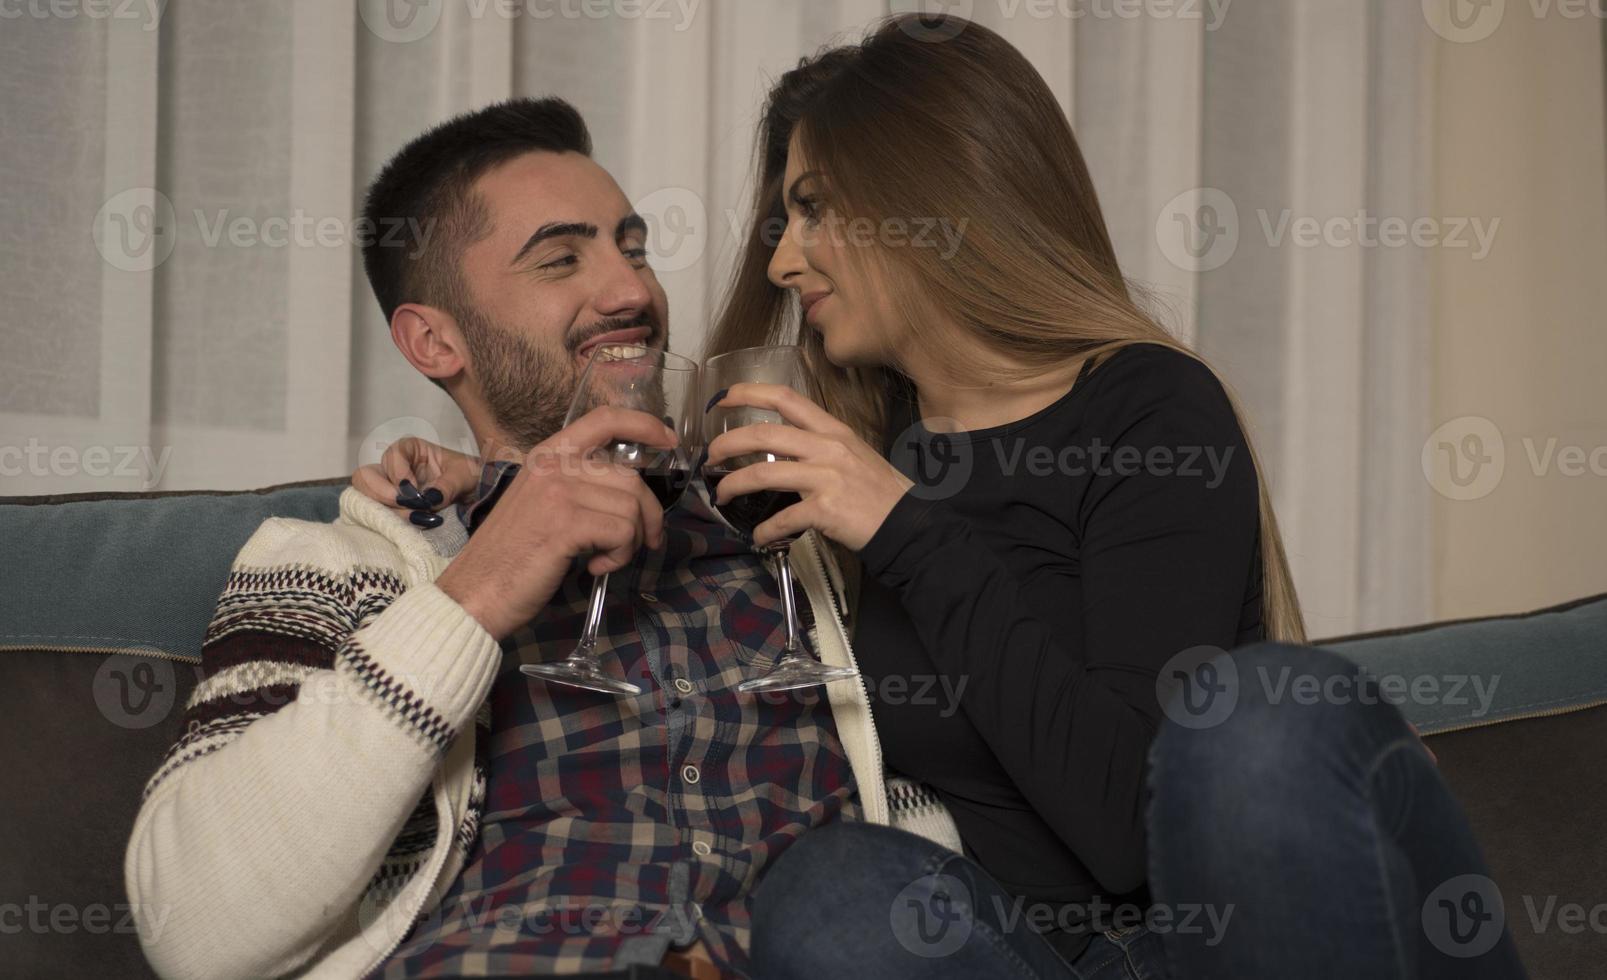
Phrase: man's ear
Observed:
(430, 339)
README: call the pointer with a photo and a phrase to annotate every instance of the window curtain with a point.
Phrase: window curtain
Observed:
(184, 306)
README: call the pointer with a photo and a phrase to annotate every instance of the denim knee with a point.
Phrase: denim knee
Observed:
(838, 881)
(815, 864)
(1266, 713)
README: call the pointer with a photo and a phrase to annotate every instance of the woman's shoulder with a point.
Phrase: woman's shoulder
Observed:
(1154, 381)
(1156, 363)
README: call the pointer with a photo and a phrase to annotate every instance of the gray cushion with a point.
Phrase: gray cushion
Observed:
(1498, 668)
(132, 571)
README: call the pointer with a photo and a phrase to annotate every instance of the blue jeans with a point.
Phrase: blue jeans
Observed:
(1291, 834)
(1307, 813)
(861, 900)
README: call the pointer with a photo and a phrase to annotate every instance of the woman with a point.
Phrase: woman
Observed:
(1075, 511)
(1052, 580)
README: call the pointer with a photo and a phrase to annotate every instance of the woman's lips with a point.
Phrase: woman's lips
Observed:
(812, 302)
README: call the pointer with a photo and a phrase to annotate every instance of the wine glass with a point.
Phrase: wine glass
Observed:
(662, 385)
(778, 366)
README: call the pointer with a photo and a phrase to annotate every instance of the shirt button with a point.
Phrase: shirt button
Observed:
(683, 685)
(649, 597)
(701, 848)
(690, 774)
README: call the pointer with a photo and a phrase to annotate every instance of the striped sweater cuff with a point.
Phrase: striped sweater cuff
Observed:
(425, 662)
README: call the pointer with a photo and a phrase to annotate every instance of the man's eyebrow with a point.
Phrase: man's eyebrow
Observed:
(555, 229)
(631, 222)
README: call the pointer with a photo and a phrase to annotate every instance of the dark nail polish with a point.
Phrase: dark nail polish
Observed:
(434, 497)
(425, 519)
(716, 399)
(415, 503)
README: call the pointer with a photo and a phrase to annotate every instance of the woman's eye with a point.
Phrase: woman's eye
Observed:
(636, 254)
(567, 260)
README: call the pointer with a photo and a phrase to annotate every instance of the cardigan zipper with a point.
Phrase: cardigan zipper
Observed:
(438, 858)
(864, 689)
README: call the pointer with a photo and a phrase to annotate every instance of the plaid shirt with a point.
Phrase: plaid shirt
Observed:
(615, 827)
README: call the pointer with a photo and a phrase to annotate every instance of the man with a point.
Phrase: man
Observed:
(365, 783)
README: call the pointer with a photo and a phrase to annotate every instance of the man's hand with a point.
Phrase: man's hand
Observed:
(564, 503)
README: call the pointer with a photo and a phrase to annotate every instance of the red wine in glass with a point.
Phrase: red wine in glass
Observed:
(667, 472)
(749, 510)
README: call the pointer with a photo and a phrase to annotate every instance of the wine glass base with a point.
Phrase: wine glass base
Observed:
(797, 673)
(579, 675)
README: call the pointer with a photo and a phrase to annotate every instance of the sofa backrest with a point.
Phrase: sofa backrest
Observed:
(105, 602)
(1516, 709)
(106, 599)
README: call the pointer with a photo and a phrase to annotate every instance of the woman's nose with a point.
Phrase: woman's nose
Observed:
(787, 261)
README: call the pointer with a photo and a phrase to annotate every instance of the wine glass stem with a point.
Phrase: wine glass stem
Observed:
(587, 649)
(784, 576)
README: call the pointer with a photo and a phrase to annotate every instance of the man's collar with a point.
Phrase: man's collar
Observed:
(495, 476)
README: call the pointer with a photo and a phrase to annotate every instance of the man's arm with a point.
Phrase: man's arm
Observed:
(326, 704)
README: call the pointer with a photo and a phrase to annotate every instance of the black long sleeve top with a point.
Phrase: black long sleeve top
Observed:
(1034, 583)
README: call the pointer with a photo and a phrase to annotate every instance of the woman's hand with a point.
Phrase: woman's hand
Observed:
(435, 473)
(847, 487)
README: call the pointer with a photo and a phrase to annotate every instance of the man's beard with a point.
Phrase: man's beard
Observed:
(528, 385)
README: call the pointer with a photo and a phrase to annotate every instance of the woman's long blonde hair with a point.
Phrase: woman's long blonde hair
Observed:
(937, 122)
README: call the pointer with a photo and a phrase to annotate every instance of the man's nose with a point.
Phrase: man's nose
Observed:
(623, 291)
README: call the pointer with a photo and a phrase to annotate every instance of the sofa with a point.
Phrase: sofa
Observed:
(107, 597)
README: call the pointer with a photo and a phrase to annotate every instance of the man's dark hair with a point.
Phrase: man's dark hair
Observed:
(422, 211)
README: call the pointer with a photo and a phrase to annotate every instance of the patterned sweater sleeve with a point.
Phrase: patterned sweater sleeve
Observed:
(328, 697)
